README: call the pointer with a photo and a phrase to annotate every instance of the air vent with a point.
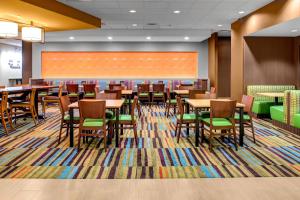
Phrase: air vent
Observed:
(151, 26)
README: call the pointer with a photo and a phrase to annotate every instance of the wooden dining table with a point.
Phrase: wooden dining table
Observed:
(198, 104)
(275, 95)
(181, 92)
(114, 104)
(28, 89)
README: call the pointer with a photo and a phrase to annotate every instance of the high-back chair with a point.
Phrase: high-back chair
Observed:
(118, 92)
(144, 91)
(186, 86)
(221, 119)
(89, 91)
(130, 121)
(64, 102)
(73, 91)
(25, 107)
(51, 100)
(118, 87)
(109, 114)
(170, 102)
(158, 92)
(92, 119)
(4, 112)
(247, 118)
(183, 119)
(112, 85)
(195, 92)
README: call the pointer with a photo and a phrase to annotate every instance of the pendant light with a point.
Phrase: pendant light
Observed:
(32, 34)
(8, 29)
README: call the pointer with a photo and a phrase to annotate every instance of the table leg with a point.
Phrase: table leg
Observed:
(129, 99)
(36, 105)
(117, 127)
(71, 113)
(188, 111)
(197, 127)
(276, 101)
(241, 121)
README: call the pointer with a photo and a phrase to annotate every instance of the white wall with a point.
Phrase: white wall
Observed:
(200, 47)
(10, 63)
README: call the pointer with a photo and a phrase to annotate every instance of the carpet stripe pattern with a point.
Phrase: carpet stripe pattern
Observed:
(33, 152)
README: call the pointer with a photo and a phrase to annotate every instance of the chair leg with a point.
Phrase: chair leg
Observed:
(202, 133)
(235, 139)
(68, 129)
(210, 139)
(60, 131)
(252, 128)
(33, 115)
(9, 120)
(79, 137)
(176, 129)
(104, 139)
(4, 123)
(44, 108)
(167, 109)
(179, 132)
(135, 134)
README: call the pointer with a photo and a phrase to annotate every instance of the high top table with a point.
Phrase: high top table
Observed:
(24, 89)
(115, 104)
(197, 104)
(275, 95)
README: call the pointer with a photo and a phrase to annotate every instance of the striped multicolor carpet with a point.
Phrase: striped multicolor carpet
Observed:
(33, 152)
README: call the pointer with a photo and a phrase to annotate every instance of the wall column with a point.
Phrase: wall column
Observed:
(26, 62)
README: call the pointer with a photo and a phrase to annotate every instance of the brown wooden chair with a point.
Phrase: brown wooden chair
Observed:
(73, 92)
(92, 119)
(118, 92)
(89, 91)
(195, 92)
(221, 119)
(186, 87)
(4, 114)
(158, 93)
(25, 107)
(128, 121)
(118, 87)
(105, 96)
(170, 103)
(248, 102)
(51, 100)
(112, 85)
(65, 117)
(183, 119)
(143, 92)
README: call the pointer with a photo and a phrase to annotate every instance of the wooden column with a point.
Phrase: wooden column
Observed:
(213, 59)
(26, 62)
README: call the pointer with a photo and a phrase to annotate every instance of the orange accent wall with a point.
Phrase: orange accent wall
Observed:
(138, 65)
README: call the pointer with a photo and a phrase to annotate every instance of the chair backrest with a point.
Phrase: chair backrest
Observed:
(64, 104)
(60, 90)
(180, 107)
(186, 87)
(118, 87)
(222, 109)
(4, 100)
(89, 88)
(192, 93)
(168, 93)
(202, 96)
(158, 87)
(72, 88)
(144, 87)
(248, 102)
(92, 109)
(106, 96)
(32, 96)
(160, 82)
(117, 92)
(134, 105)
(111, 85)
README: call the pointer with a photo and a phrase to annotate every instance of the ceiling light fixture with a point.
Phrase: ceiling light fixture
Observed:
(132, 11)
(176, 11)
(186, 38)
(109, 38)
(32, 34)
(71, 38)
(148, 38)
(134, 24)
(241, 12)
(220, 25)
(8, 29)
(294, 30)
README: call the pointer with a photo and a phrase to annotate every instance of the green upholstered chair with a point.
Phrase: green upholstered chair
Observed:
(294, 108)
(51, 100)
(279, 113)
(170, 103)
(128, 121)
(89, 91)
(183, 120)
(92, 120)
(64, 102)
(158, 93)
(221, 121)
(144, 92)
(73, 91)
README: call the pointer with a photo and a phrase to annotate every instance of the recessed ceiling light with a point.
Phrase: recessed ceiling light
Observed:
(294, 30)
(220, 25)
(134, 24)
(176, 11)
(148, 38)
(132, 11)
(71, 38)
(109, 37)
(186, 38)
(241, 12)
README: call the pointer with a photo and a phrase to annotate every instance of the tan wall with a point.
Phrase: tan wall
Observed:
(274, 13)
(213, 59)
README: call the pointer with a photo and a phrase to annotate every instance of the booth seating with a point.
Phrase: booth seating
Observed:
(262, 104)
(287, 116)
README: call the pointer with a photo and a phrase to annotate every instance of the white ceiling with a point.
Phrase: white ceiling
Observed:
(286, 29)
(198, 19)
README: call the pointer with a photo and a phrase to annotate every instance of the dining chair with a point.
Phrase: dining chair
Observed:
(221, 119)
(170, 103)
(51, 100)
(143, 92)
(186, 87)
(183, 120)
(109, 114)
(117, 92)
(4, 112)
(112, 85)
(158, 93)
(92, 119)
(89, 91)
(27, 107)
(127, 121)
(65, 117)
(73, 91)
(194, 92)
(247, 118)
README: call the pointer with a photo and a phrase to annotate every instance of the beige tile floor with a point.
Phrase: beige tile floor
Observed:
(206, 189)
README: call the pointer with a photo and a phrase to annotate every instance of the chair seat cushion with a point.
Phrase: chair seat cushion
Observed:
(88, 122)
(89, 95)
(73, 95)
(218, 121)
(277, 113)
(262, 107)
(296, 120)
(237, 117)
(173, 101)
(43, 94)
(187, 117)
(158, 94)
(124, 118)
(144, 94)
(75, 118)
(109, 114)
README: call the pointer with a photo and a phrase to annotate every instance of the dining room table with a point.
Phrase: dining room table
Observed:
(275, 95)
(199, 104)
(114, 104)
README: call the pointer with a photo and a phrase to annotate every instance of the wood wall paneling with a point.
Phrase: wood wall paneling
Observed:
(26, 61)
(213, 59)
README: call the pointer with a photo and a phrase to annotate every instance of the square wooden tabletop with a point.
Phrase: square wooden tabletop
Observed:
(205, 103)
(111, 103)
(181, 92)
